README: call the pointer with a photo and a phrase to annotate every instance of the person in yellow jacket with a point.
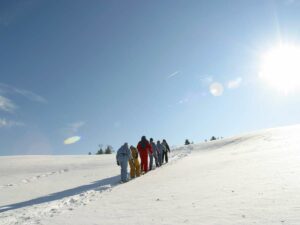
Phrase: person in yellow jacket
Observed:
(135, 169)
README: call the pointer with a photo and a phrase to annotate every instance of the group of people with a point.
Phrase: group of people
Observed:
(156, 153)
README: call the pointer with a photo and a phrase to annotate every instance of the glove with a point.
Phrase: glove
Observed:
(118, 163)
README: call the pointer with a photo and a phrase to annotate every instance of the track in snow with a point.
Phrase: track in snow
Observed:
(33, 211)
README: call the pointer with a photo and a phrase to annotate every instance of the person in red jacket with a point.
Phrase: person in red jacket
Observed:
(144, 149)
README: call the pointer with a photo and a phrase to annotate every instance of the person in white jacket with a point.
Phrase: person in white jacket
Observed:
(123, 156)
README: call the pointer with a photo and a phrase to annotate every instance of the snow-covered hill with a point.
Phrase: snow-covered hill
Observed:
(247, 179)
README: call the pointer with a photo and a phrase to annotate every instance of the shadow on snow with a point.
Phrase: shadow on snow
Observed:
(100, 185)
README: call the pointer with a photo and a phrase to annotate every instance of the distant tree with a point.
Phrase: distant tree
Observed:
(108, 149)
(205, 140)
(187, 142)
(90, 153)
(100, 151)
(213, 138)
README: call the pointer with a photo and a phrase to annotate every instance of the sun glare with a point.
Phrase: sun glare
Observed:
(280, 68)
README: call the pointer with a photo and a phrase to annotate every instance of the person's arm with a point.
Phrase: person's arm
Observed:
(155, 151)
(129, 154)
(117, 156)
(139, 148)
(168, 148)
(150, 149)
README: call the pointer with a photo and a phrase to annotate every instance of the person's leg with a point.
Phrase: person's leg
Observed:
(142, 163)
(156, 161)
(151, 162)
(124, 164)
(146, 164)
(137, 168)
(162, 157)
(132, 169)
(167, 157)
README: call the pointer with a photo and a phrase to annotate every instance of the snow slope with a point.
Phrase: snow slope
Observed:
(247, 179)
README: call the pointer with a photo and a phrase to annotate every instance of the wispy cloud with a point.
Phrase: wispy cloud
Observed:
(30, 95)
(8, 89)
(236, 83)
(192, 97)
(184, 100)
(173, 74)
(206, 80)
(9, 123)
(73, 128)
(6, 104)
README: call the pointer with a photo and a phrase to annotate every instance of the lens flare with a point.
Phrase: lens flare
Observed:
(72, 140)
(216, 89)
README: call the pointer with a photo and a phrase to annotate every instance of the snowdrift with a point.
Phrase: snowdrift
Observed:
(247, 179)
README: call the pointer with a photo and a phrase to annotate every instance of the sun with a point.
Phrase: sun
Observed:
(280, 68)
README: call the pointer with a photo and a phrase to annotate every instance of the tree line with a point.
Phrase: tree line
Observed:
(107, 150)
(213, 138)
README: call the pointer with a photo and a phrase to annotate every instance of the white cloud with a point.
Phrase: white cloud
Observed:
(73, 128)
(173, 74)
(4, 88)
(9, 123)
(232, 84)
(6, 104)
(76, 126)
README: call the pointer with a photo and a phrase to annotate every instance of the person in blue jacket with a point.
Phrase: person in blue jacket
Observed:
(123, 156)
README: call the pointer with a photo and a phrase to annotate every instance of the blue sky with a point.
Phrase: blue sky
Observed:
(111, 71)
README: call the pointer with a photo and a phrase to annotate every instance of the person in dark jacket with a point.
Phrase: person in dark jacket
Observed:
(167, 150)
(153, 155)
(144, 149)
(160, 149)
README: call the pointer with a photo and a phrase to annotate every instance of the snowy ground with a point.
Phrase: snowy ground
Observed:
(247, 179)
